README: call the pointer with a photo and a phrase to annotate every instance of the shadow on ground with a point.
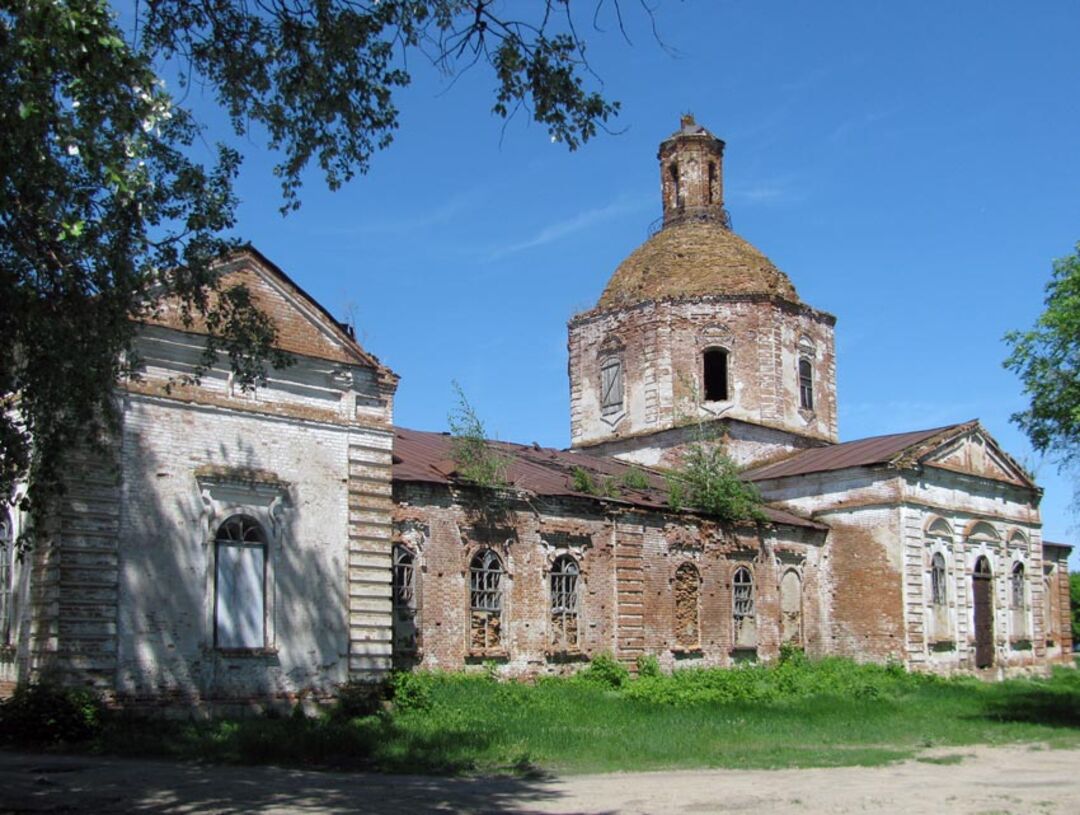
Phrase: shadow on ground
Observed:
(44, 783)
(1046, 706)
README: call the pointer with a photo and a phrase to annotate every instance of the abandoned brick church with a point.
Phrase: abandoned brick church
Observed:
(272, 545)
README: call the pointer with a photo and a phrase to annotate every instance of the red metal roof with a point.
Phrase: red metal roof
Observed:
(421, 456)
(859, 453)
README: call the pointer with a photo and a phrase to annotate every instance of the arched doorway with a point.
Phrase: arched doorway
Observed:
(983, 596)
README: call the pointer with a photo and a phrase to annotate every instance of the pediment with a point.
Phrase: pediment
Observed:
(975, 452)
(304, 327)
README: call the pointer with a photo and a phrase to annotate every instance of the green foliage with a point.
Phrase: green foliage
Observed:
(606, 671)
(828, 713)
(635, 479)
(43, 714)
(106, 214)
(1047, 360)
(477, 461)
(582, 481)
(1074, 604)
(648, 666)
(708, 481)
(411, 690)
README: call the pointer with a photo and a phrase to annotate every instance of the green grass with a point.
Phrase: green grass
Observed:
(798, 714)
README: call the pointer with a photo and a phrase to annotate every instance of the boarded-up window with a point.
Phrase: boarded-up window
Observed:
(1052, 603)
(791, 608)
(7, 576)
(715, 370)
(611, 386)
(404, 597)
(687, 597)
(485, 600)
(240, 595)
(564, 603)
(806, 385)
(743, 608)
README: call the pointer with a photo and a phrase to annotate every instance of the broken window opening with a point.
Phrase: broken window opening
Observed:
(1017, 584)
(673, 171)
(7, 572)
(485, 600)
(712, 182)
(240, 584)
(715, 367)
(687, 595)
(611, 386)
(938, 594)
(564, 603)
(403, 591)
(806, 384)
(743, 608)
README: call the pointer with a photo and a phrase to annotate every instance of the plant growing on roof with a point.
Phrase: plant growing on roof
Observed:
(476, 461)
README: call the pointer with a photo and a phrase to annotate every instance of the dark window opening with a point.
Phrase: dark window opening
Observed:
(715, 362)
(937, 580)
(673, 170)
(806, 384)
(711, 192)
(404, 600)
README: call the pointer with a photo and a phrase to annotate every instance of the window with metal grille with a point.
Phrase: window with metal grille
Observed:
(564, 603)
(938, 595)
(806, 384)
(742, 600)
(240, 584)
(403, 590)
(485, 600)
(1016, 582)
(7, 569)
(715, 370)
(611, 386)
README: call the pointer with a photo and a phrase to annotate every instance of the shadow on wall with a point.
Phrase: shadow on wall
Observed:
(296, 638)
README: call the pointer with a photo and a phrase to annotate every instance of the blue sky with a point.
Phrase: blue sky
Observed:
(913, 168)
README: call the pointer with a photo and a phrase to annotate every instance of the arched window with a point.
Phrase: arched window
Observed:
(1016, 587)
(611, 386)
(240, 584)
(403, 593)
(715, 370)
(806, 385)
(687, 598)
(485, 600)
(742, 611)
(938, 592)
(7, 580)
(564, 603)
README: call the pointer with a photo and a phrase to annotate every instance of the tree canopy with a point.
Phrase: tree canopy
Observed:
(1047, 359)
(104, 211)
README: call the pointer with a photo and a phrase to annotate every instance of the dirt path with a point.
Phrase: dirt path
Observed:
(988, 780)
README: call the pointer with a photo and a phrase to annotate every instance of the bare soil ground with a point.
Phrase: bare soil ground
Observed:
(984, 780)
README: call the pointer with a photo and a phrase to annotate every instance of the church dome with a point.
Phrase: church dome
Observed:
(695, 253)
(692, 259)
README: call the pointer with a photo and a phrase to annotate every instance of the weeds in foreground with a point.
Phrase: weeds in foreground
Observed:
(795, 713)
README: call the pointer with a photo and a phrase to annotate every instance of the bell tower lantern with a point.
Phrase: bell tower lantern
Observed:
(691, 175)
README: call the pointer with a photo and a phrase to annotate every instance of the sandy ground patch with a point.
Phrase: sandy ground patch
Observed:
(986, 780)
